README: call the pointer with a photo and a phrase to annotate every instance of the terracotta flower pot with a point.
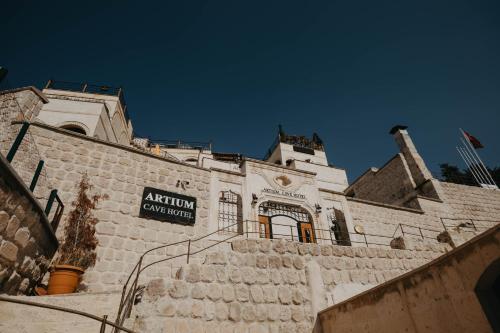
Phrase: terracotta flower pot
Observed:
(64, 279)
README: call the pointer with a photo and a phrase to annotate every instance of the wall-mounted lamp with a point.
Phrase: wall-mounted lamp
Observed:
(254, 199)
(318, 208)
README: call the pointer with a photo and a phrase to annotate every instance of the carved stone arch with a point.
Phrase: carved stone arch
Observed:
(303, 230)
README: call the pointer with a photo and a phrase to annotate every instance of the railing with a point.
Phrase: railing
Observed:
(131, 286)
(323, 235)
(275, 143)
(129, 291)
(91, 89)
(467, 225)
(422, 232)
(104, 320)
(53, 194)
(178, 144)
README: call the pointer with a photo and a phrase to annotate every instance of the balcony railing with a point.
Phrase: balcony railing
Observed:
(178, 144)
(84, 87)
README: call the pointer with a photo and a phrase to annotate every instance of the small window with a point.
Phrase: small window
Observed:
(192, 161)
(74, 128)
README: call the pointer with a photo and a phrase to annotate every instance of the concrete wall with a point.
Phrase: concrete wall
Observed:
(27, 243)
(437, 297)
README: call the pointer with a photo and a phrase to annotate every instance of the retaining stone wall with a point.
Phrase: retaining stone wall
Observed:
(23, 104)
(27, 243)
(439, 297)
(267, 286)
(122, 173)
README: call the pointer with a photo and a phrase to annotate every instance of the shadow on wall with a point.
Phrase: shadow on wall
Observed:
(488, 293)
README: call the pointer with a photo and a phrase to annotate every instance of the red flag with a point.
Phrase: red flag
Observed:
(475, 142)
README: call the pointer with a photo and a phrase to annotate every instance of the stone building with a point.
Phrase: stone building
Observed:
(271, 242)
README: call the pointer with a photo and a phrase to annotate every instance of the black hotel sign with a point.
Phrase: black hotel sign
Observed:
(167, 206)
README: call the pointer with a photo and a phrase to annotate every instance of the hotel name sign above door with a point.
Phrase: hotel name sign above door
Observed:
(167, 206)
(284, 193)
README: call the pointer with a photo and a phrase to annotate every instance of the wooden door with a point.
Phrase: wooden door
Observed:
(264, 227)
(306, 233)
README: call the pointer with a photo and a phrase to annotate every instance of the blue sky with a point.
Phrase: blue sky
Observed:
(231, 71)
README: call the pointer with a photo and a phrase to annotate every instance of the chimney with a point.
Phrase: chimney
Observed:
(416, 164)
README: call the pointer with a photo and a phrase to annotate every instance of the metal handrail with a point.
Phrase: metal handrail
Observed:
(180, 144)
(128, 294)
(400, 226)
(103, 320)
(345, 236)
(474, 226)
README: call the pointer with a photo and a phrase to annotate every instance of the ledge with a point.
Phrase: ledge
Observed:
(428, 198)
(332, 191)
(32, 88)
(13, 179)
(228, 172)
(110, 144)
(380, 204)
(246, 159)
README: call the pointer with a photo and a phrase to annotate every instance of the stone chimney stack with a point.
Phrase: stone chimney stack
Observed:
(415, 162)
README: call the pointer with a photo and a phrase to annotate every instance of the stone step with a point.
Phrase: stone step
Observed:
(25, 318)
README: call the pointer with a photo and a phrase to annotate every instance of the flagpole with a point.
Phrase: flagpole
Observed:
(475, 164)
(473, 167)
(479, 158)
(471, 170)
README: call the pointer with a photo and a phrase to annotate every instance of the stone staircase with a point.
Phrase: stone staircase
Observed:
(269, 286)
(253, 286)
(22, 318)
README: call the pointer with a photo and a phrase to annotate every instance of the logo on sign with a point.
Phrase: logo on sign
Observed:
(167, 206)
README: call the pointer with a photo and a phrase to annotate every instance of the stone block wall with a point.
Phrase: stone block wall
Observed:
(471, 202)
(122, 173)
(391, 184)
(439, 297)
(267, 286)
(27, 243)
(378, 219)
(19, 105)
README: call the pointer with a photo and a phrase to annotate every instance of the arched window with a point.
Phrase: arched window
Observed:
(230, 216)
(74, 128)
(338, 227)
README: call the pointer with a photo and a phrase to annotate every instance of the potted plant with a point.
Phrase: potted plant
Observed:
(77, 251)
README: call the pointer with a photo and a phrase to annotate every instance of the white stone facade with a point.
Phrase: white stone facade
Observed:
(293, 197)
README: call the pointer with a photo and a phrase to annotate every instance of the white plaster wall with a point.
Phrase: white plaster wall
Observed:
(327, 177)
(58, 112)
(287, 152)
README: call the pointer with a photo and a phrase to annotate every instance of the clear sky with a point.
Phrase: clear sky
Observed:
(231, 71)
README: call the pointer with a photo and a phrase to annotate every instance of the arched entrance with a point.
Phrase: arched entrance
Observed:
(283, 221)
(488, 292)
